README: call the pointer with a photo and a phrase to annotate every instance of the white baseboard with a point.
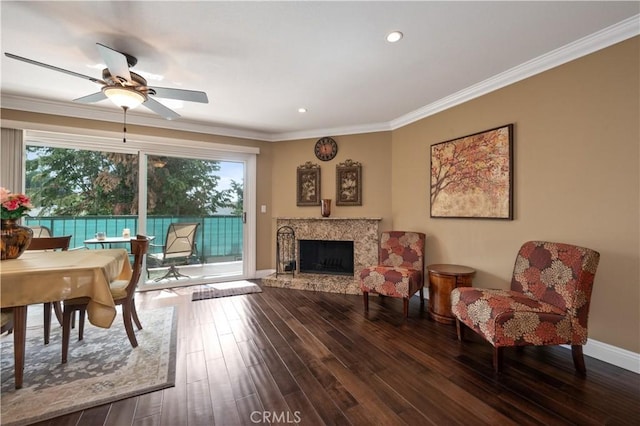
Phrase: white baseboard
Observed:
(612, 355)
(602, 351)
(262, 273)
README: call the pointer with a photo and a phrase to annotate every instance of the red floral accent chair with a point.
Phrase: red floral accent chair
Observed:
(399, 272)
(548, 303)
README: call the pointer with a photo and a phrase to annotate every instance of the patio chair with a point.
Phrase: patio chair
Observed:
(40, 231)
(179, 248)
(50, 243)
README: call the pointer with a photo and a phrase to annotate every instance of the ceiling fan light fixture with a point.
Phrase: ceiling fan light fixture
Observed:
(124, 97)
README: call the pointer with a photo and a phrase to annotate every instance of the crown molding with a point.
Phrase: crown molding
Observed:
(339, 131)
(599, 40)
(91, 112)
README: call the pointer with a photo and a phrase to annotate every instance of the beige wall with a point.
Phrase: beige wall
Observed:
(577, 138)
(372, 150)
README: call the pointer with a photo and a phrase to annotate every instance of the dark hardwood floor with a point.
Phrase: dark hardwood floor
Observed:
(297, 357)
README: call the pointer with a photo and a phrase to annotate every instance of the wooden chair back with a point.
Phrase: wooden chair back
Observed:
(50, 243)
(139, 248)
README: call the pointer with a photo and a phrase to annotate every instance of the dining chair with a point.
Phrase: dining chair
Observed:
(50, 244)
(123, 293)
(6, 320)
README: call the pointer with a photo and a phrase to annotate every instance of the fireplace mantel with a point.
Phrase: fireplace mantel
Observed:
(363, 231)
(378, 219)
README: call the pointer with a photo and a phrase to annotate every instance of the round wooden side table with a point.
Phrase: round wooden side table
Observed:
(443, 278)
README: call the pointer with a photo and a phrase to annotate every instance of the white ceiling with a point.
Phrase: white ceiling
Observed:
(260, 61)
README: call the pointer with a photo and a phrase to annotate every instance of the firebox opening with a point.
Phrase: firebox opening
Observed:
(326, 257)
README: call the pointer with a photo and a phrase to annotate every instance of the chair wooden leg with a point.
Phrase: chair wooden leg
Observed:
(365, 296)
(57, 309)
(134, 315)
(83, 311)
(128, 325)
(497, 358)
(578, 359)
(47, 322)
(405, 306)
(460, 330)
(422, 299)
(66, 331)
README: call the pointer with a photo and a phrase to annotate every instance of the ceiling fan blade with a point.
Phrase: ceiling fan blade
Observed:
(94, 97)
(51, 67)
(160, 109)
(180, 94)
(116, 62)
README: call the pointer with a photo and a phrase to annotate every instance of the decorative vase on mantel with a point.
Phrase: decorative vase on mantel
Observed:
(15, 238)
(325, 207)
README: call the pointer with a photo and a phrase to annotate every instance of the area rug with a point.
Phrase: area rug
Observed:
(102, 368)
(235, 288)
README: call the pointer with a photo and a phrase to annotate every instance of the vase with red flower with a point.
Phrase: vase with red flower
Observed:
(15, 238)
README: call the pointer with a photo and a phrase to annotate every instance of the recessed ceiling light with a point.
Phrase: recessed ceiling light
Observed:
(394, 36)
(302, 110)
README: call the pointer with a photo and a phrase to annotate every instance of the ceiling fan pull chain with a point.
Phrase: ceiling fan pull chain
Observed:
(124, 130)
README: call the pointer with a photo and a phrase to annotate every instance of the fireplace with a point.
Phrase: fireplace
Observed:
(326, 257)
(360, 233)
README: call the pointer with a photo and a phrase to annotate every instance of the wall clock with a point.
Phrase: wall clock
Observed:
(326, 149)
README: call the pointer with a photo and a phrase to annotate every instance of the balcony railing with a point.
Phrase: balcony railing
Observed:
(219, 238)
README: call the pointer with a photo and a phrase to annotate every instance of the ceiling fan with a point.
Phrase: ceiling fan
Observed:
(124, 87)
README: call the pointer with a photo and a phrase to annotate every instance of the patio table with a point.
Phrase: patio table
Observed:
(113, 240)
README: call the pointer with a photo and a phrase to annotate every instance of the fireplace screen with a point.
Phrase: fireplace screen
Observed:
(326, 257)
(285, 251)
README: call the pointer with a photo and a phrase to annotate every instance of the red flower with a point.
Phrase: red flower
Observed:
(14, 206)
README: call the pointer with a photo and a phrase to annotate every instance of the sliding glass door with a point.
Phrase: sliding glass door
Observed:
(195, 212)
(193, 201)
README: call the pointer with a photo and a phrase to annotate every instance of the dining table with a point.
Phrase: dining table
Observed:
(50, 276)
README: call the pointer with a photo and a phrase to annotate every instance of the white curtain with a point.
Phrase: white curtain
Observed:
(11, 158)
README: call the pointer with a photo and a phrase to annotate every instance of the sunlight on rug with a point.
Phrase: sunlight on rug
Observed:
(102, 368)
(234, 288)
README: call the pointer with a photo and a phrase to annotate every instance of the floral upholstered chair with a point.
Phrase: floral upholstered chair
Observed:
(548, 303)
(399, 272)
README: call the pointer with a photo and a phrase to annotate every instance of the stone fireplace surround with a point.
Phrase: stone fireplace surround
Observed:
(361, 230)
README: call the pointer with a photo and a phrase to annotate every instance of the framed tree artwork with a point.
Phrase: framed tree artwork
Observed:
(349, 184)
(472, 176)
(308, 185)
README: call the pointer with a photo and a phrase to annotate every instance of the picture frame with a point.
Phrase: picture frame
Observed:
(472, 176)
(308, 185)
(349, 183)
